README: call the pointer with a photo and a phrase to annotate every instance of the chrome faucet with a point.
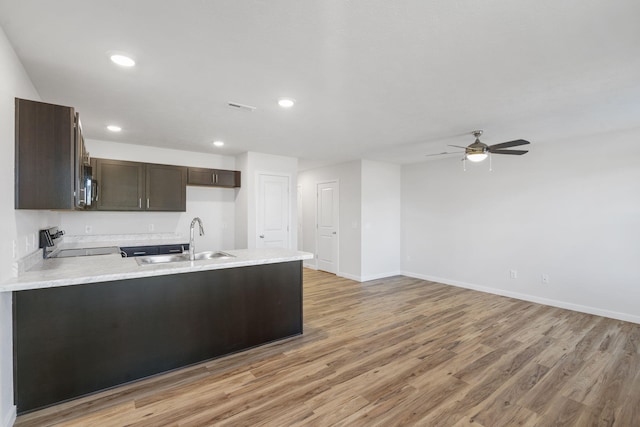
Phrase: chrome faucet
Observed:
(192, 249)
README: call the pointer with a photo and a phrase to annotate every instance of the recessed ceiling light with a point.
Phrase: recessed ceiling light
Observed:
(218, 143)
(125, 61)
(286, 102)
(114, 128)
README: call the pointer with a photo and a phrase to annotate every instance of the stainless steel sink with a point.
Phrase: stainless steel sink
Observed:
(161, 259)
(212, 255)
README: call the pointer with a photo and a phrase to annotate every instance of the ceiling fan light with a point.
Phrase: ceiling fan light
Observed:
(477, 157)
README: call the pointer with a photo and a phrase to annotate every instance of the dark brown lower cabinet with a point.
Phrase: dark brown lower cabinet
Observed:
(74, 340)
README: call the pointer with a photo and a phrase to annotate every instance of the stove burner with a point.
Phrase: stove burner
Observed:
(67, 253)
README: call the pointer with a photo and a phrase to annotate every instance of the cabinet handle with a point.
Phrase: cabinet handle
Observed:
(140, 203)
(147, 203)
(213, 178)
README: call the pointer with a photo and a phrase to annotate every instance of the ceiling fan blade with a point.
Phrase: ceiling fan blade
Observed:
(514, 152)
(508, 144)
(443, 153)
(457, 146)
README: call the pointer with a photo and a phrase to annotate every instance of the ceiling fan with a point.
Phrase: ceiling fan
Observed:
(478, 151)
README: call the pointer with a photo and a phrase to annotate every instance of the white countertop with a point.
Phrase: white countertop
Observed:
(56, 272)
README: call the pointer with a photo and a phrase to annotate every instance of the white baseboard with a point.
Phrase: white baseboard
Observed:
(10, 417)
(532, 298)
(349, 276)
(309, 265)
(379, 276)
(369, 277)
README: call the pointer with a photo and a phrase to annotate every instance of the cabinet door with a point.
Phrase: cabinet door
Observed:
(213, 177)
(44, 156)
(200, 176)
(226, 178)
(120, 185)
(166, 188)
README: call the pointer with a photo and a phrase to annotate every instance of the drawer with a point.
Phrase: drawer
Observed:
(173, 249)
(132, 251)
(139, 250)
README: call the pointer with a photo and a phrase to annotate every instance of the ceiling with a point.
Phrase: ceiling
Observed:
(375, 79)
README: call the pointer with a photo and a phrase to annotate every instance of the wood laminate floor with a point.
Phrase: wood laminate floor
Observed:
(396, 351)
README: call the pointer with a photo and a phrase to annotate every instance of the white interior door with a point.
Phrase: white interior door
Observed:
(272, 216)
(327, 226)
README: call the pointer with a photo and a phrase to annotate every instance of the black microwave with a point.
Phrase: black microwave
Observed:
(86, 187)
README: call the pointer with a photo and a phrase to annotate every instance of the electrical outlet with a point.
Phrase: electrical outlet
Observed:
(545, 278)
(88, 229)
(513, 274)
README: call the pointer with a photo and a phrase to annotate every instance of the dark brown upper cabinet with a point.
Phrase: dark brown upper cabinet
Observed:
(135, 186)
(213, 177)
(166, 188)
(44, 156)
(120, 185)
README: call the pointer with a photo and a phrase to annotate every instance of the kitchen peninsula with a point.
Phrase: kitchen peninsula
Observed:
(86, 324)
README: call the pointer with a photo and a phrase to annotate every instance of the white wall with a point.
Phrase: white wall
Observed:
(250, 165)
(349, 177)
(215, 206)
(369, 217)
(380, 220)
(18, 227)
(569, 209)
(242, 202)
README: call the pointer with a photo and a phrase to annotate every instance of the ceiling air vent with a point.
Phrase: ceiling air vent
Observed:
(242, 107)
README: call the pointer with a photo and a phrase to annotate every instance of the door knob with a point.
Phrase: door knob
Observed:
(262, 236)
(334, 232)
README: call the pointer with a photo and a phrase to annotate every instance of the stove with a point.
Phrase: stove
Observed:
(50, 237)
(67, 253)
